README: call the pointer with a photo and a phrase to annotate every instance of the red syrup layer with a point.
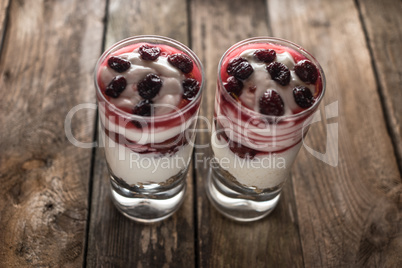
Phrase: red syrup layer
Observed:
(122, 116)
(291, 127)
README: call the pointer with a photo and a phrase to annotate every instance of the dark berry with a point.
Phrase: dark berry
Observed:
(306, 71)
(118, 64)
(239, 68)
(116, 86)
(303, 96)
(190, 88)
(149, 52)
(143, 108)
(271, 103)
(150, 86)
(182, 62)
(279, 73)
(234, 85)
(265, 55)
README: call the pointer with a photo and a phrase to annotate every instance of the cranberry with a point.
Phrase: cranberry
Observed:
(143, 108)
(306, 71)
(190, 88)
(239, 68)
(150, 86)
(271, 103)
(265, 55)
(279, 73)
(182, 62)
(303, 96)
(116, 86)
(118, 64)
(234, 86)
(148, 52)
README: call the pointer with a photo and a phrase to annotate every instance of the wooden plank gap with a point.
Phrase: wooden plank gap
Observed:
(4, 13)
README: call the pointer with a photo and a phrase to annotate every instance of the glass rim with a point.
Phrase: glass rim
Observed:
(153, 39)
(278, 41)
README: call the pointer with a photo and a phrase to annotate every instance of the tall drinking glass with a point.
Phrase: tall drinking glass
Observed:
(267, 92)
(149, 92)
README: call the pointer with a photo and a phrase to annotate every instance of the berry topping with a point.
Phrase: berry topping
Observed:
(190, 88)
(148, 52)
(306, 71)
(279, 72)
(265, 55)
(182, 62)
(239, 68)
(303, 96)
(118, 64)
(116, 86)
(234, 85)
(150, 86)
(271, 103)
(143, 108)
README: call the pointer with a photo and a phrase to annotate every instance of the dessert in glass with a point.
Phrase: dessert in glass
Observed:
(267, 92)
(149, 92)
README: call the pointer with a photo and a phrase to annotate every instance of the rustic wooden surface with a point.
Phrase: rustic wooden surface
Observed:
(55, 209)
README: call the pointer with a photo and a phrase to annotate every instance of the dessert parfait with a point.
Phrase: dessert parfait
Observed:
(267, 92)
(149, 92)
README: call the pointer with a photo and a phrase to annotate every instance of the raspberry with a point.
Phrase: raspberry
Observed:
(265, 55)
(271, 103)
(150, 86)
(116, 86)
(190, 88)
(239, 68)
(149, 52)
(182, 62)
(306, 71)
(279, 72)
(118, 64)
(303, 96)
(143, 108)
(234, 85)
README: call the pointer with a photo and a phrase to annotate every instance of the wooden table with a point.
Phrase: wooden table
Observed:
(55, 209)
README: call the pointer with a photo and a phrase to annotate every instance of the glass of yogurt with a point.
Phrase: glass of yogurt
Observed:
(148, 91)
(267, 92)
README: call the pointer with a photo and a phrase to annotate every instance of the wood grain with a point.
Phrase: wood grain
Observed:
(349, 215)
(273, 241)
(382, 21)
(115, 241)
(46, 69)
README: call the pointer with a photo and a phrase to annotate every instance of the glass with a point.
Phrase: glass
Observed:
(254, 152)
(148, 156)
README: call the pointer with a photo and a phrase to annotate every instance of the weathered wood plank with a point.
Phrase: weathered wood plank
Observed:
(114, 240)
(46, 69)
(349, 215)
(383, 20)
(4, 4)
(273, 241)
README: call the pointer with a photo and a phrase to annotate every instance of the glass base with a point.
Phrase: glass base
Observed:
(147, 203)
(236, 202)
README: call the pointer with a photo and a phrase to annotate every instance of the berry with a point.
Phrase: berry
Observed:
(150, 86)
(306, 71)
(182, 62)
(118, 64)
(265, 55)
(149, 52)
(271, 103)
(190, 88)
(143, 108)
(234, 85)
(303, 96)
(239, 68)
(116, 86)
(279, 73)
